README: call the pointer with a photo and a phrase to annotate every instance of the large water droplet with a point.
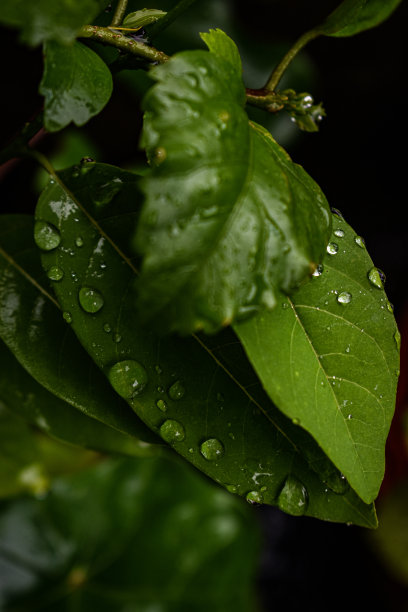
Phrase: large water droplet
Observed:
(212, 449)
(344, 297)
(176, 391)
(172, 431)
(293, 497)
(254, 497)
(339, 233)
(374, 276)
(55, 273)
(332, 248)
(46, 236)
(128, 378)
(90, 299)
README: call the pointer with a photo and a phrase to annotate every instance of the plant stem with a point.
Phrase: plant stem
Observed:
(111, 37)
(162, 23)
(20, 142)
(119, 13)
(290, 55)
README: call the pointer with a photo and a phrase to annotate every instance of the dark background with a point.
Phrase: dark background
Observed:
(358, 158)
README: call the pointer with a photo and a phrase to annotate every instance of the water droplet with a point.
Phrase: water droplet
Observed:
(46, 236)
(128, 378)
(296, 421)
(344, 297)
(336, 212)
(332, 248)
(293, 497)
(107, 328)
(212, 449)
(172, 431)
(176, 391)
(359, 240)
(374, 276)
(90, 299)
(55, 273)
(117, 338)
(397, 338)
(339, 233)
(349, 417)
(161, 404)
(67, 316)
(318, 270)
(285, 305)
(254, 497)
(158, 369)
(390, 307)
(79, 242)
(160, 155)
(232, 488)
(337, 483)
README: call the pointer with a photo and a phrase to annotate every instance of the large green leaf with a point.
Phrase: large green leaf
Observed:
(24, 397)
(76, 84)
(354, 16)
(132, 534)
(33, 327)
(41, 20)
(178, 387)
(329, 358)
(228, 218)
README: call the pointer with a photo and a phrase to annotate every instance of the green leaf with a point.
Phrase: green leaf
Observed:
(43, 20)
(33, 327)
(23, 396)
(329, 359)
(162, 538)
(178, 387)
(229, 219)
(142, 18)
(354, 16)
(76, 85)
(221, 45)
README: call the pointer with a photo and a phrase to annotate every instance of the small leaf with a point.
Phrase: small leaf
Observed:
(222, 46)
(24, 397)
(129, 534)
(33, 327)
(229, 219)
(328, 357)
(76, 85)
(178, 387)
(354, 16)
(142, 18)
(44, 20)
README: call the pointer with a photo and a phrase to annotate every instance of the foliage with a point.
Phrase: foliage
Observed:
(208, 301)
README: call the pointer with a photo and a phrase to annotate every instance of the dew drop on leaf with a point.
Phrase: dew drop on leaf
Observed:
(293, 497)
(339, 233)
(46, 236)
(176, 391)
(55, 273)
(254, 497)
(337, 483)
(67, 316)
(344, 297)
(318, 270)
(332, 248)
(397, 338)
(212, 449)
(128, 378)
(161, 404)
(172, 431)
(117, 338)
(90, 299)
(107, 328)
(79, 242)
(374, 276)
(360, 241)
(232, 488)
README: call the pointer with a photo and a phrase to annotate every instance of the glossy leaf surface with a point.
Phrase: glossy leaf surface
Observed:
(33, 327)
(329, 358)
(142, 18)
(43, 20)
(228, 217)
(162, 538)
(24, 397)
(76, 85)
(354, 16)
(178, 387)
